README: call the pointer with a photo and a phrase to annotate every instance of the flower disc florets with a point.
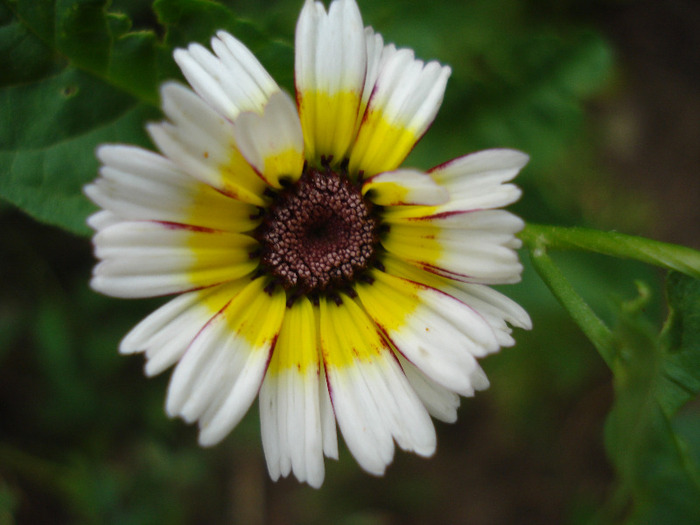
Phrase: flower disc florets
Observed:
(319, 234)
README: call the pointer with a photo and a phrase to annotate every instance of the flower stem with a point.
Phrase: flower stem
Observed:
(669, 256)
(591, 325)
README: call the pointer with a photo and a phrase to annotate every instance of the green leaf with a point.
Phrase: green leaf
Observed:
(77, 75)
(538, 107)
(654, 377)
(76, 94)
(189, 21)
(669, 256)
(681, 338)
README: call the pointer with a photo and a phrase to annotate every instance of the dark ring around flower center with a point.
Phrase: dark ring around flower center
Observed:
(319, 234)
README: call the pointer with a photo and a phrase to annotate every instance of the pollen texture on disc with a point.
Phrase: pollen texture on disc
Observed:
(318, 234)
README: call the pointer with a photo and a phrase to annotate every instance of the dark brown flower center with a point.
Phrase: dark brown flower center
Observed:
(319, 234)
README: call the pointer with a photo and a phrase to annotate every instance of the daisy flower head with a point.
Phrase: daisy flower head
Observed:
(311, 271)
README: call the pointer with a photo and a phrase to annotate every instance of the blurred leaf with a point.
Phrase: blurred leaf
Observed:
(8, 503)
(654, 378)
(76, 76)
(538, 106)
(73, 400)
(95, 83)
(682, 340)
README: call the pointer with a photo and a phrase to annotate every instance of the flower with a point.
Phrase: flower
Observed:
(310, 269)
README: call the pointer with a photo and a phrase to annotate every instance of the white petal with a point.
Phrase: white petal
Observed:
(404, 187)
(136, 184)
(165, 334)
(230, 82)
(201, 142)
(440, 402)
(403, 103)
(206, 369)
(437, 333)
(371, 396)
(231, 50)
(479, 379)
(290, 412)
(496, 309)
(220, 374)
(365, 434)
(500, 222)
(472, 247)
(145, 259)
(330, 52)
(102, 219)
(409, 91)
(330, 64)
(477, 181)
(375, 48)
(272, 141)
(270, 430)
(291, 427)
(328, 426)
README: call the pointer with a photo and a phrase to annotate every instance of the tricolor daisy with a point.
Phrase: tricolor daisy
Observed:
(311, 270)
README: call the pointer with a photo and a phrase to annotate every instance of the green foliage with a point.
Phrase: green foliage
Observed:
(83, 432)
(655, 376)
(77, 76)
(56, 113)
(665, 255)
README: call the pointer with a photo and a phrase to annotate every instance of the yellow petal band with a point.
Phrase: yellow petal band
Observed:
(328, 123)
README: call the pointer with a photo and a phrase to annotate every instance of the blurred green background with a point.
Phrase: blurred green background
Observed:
(605, 97)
